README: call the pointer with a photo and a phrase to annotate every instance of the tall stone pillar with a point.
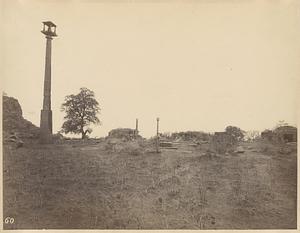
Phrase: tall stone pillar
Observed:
(46, 113)
(136, 127)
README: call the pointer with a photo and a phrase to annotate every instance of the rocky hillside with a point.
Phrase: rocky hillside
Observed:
(14, 123)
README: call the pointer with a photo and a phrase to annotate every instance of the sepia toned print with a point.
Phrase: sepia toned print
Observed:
(150, 115)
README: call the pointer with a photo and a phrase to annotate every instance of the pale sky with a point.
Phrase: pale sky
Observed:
(198, 65)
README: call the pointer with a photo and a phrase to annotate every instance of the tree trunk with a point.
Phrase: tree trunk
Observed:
(83, 133)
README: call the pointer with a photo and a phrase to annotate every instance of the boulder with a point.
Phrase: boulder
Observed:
(19, 143)
(285, 150)
(16, 140)
(239, 149)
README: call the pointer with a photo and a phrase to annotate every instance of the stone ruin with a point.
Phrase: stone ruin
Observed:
(281, 134)
(222, 142)
(125, 134)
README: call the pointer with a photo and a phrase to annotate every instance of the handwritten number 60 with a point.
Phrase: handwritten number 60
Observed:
(9, 220)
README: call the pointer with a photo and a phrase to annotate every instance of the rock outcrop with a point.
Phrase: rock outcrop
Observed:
(14, 124)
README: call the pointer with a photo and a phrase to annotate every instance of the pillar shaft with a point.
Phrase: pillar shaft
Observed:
(46, 113)
(136, 126)
(47, 79)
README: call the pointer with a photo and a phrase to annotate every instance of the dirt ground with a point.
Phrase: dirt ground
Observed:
(86, 187)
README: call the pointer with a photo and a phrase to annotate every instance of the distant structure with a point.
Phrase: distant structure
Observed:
(221, 142)
(286, 133)
(281, 134)
(222, 138)
(125, 134)
(157, 135)
(136, 127)
(49, 29)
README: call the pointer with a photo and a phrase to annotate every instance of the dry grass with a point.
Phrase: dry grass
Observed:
(91, 186)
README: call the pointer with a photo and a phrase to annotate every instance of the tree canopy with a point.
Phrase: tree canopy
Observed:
(235, 132)
(81, 111)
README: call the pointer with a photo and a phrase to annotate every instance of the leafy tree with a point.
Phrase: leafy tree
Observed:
(235, 132)
(81, 111)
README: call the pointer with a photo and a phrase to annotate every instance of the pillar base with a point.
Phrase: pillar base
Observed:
(46, 127)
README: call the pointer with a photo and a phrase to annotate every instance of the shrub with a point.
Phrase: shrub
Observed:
(132, 148)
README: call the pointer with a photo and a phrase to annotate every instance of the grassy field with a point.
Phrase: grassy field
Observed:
(85, 186)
